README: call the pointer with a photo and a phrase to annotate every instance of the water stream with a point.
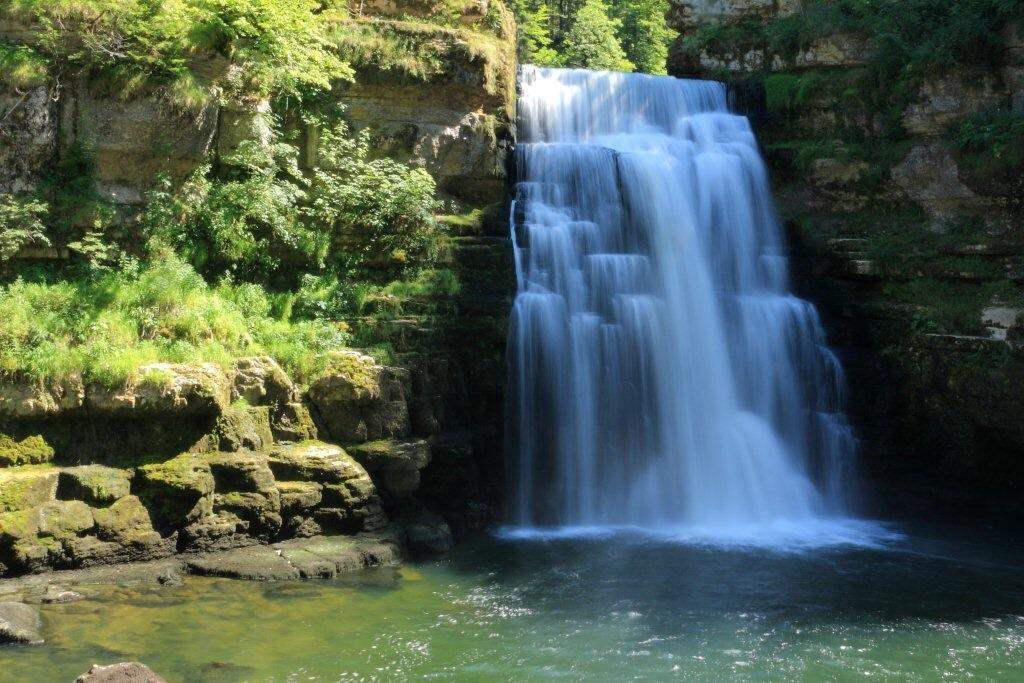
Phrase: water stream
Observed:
(662, 375)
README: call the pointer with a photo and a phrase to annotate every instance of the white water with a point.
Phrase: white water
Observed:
(661, 373)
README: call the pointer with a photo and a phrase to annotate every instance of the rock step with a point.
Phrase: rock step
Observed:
(320, 557)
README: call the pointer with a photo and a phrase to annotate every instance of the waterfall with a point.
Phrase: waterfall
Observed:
(661, 374)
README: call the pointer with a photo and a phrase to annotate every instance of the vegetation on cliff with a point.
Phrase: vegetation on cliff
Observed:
(266, 247)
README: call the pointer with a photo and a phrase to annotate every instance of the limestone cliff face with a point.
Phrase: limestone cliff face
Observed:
(911, 246)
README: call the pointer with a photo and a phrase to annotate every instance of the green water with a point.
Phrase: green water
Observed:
(608, 608)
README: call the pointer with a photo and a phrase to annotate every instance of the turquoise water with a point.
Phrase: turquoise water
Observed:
(932, 606)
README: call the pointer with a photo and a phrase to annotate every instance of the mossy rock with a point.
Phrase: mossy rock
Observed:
(244, 428)
(94, 484)
(126, 521)
(27, 486)
(299, 496)
(241, 472)
(292, 422)
(177, 491)
(314, 461)
(64, 518)
(32, 450)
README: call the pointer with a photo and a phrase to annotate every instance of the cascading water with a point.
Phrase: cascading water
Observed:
(661, 374)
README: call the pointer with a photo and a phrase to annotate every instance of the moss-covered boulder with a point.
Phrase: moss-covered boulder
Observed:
(244, 428)
(176, 492)
(94, 484)
(126, 521)
(63, 518)
(313, 461)
(26, 487)
(32, 450)
(360, 400)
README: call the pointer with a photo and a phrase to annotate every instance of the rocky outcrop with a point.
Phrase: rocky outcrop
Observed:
(242, 483)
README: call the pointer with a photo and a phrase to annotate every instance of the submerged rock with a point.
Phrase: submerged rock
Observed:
(125, 672)
(20, 623)
(429, 534)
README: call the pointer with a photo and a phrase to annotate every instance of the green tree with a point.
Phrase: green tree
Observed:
(644, 34)
(593, 43)
(536, 41)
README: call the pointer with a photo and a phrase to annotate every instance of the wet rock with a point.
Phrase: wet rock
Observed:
(125, 672)
(20, 623)
(256, 563)
(94, 484)
(55, 595)
(244, 428)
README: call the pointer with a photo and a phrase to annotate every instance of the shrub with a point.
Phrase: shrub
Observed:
(21, 224)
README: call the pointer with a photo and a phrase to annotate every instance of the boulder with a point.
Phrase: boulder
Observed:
(126, 521)
(261, 381)
(20, 623)
(26, 487)
(176, 492)
(164, 388)
(359, 400)
(298, 497)
(222, 530)
(94, 484)
(313, 461)
(394, 463)
(241, 472)
(32, 450)
(244, 428)
(64, 518)
(125, 672)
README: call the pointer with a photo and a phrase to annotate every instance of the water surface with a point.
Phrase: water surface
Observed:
(936, 606)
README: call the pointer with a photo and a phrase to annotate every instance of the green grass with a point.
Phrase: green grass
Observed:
(106, 326)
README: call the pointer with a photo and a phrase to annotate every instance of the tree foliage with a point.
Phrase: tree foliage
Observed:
(592, 42)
